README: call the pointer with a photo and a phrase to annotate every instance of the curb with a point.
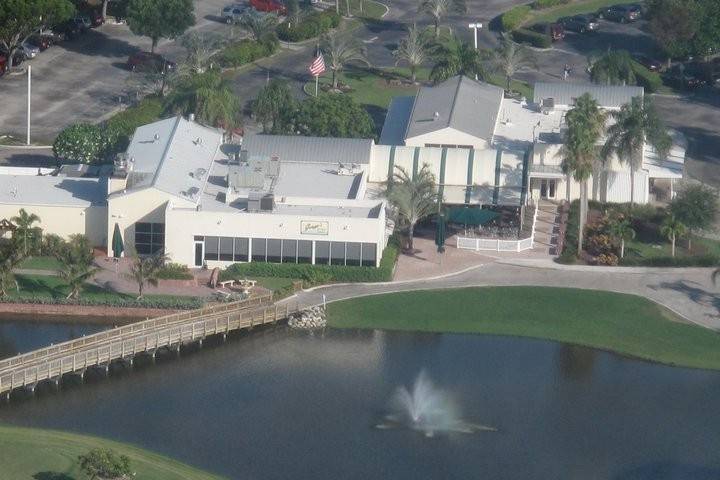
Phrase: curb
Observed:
(600, 269)
(26, 147)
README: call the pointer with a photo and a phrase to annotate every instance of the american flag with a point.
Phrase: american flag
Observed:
(317, 67)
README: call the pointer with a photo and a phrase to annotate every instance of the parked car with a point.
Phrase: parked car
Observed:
(42, 42)
(68, 30)
(686, 77)
(268, 6)
(83, 22)
(649, 63)
(28, 50)
(232, 13)
(149, 62)
(18, 58)
(554, 30)
(623, 13)
(96, 18)
(580, 23)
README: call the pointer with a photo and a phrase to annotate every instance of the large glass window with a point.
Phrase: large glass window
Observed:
(241, 250)
(289, 251)
(274, 250)
(322, 253)
(211, 248)
(368, 254)
(304, 254)
(259, 249)
(226, 249)
(352, 254)
(337, 253)
(149, 237)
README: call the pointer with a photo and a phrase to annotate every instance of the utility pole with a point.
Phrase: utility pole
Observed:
(475, 27)
(29, 89)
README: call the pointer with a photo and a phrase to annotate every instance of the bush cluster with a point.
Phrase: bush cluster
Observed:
(173, 303)
(536, 39)
(246, 51)
(667, 261)
(308, 27)
(174, 271)
(512, 19)
(120, 127)
(651, 81)
(319, 274)
(540, 4)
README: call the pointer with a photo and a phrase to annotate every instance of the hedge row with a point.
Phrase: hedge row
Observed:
(539, 40)
(540, 4)
(319, 274)
(651, 81)
(512, 19)
(667, 261)
(246, 51)
(308, 27)
(174, 271)
(120, 127)
(174, 303)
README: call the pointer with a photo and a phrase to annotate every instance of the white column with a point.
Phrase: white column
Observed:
(312, 253)
(29, 90)
(249, 249)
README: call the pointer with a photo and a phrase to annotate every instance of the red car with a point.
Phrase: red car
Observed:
(269, 6)
(149, 62)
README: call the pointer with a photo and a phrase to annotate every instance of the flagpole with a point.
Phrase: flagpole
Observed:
(317, 80)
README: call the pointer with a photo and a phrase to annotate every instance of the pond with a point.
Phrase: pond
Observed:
(275, 404)
(22, 335)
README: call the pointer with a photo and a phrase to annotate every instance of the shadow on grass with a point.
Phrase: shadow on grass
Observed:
(52, 476)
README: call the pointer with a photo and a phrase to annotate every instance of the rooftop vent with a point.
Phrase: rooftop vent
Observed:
(198, 141)
(157, 137)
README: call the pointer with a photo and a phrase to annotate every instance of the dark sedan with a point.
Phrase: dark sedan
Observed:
(149, 62)
(623, 13)
(649, 63)
(580, 23)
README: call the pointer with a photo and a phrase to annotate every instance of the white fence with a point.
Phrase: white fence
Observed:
(498, 245)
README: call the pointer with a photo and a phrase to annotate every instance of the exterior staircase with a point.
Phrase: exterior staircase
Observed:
(547, 227)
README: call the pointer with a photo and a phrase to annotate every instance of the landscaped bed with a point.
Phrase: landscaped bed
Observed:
(47, 454)
(625, 324)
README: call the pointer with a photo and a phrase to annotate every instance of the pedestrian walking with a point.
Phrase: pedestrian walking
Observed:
(566, 72)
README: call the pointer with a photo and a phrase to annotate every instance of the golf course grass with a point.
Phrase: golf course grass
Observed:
(27, 454)
(621, 323)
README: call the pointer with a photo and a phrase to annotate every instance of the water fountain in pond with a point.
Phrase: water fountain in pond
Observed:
(427, 409)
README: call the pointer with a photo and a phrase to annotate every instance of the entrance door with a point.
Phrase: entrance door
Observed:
(199, 253)
(547, 188)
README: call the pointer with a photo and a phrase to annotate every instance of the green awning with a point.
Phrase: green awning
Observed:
(471, 216)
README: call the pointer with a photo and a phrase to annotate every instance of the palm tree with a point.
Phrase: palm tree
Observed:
(259, 25)
(456, 58)
(145, 269)
(24, 222)
(342, 50)
(585, 124)
(635, 124)
(621, 229)
(672, 228)
(613, 68)
(209, 96)
(76, 264)
(412, 50)
(413, 197)
(10, 259)
(437, 10)
(508, 58)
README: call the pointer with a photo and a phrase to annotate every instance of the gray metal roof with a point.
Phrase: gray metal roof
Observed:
(461, 103)
(309, 149)
(608, 96)
(316, 180)
(60, 191)
(396, 121)
(172, 155)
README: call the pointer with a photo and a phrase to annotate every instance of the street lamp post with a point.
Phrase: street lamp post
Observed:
(475, 27)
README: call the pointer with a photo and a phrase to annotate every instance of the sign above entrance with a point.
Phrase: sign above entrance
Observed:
(308, 227)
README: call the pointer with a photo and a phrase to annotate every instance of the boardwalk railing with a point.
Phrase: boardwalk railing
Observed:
(147, 336)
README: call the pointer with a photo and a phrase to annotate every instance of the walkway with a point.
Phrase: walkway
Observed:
(688, 292)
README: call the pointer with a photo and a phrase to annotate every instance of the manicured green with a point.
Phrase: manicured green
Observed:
(40, 263)
(274, 283)
(626, 324)
(371, 9)
(568, 10)
(536, 39)
(34, 453)
(309, 26)
(245, 51)
(514, 17)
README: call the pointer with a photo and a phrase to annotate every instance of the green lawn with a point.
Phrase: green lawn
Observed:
(659, 247)
(274, 283)
(370, 9)
(574, 8)
(27, 454)
(40, 263)
(626, 324)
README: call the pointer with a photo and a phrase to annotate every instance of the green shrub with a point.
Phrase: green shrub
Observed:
(169, 303)
(80, 143)
(540, 4)
(245, 51)
(536, 39)
(319, 274)
(667, 261)
(651, 81)
(514, 17)
(308, 27)
(174, 271)
(120, 127)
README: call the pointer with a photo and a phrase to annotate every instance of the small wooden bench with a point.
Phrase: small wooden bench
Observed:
(225, 283)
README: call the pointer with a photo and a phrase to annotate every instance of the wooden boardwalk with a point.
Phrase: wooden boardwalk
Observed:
(123, 343)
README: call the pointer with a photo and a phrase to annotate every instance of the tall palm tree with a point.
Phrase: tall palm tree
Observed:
(508, 58)
(145, 269)
(209, 96)
(437, 10)
(24, 222)
(672, 228)
(585, 125)
(258, 25)
(342, 50)
(76, 264)
(413, 50)
(412, 197)
(621, 229)
(614, 67)
(635, 124)
(10, 259)
(456, 58)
